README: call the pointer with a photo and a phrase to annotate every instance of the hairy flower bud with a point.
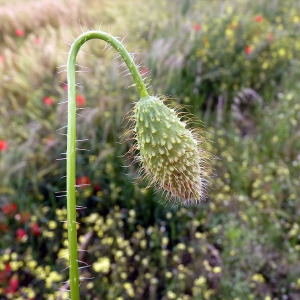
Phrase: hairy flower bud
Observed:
(169, 152)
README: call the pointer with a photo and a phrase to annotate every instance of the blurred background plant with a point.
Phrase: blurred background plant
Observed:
(234, 64)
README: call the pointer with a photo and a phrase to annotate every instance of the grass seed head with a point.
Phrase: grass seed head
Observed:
(169, 152)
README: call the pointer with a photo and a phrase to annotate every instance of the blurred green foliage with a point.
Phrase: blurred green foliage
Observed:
(235, 64)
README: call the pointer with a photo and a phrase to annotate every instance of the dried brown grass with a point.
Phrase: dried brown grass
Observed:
(31, 15)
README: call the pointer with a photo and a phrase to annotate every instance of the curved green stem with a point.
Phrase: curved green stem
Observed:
(71, 140)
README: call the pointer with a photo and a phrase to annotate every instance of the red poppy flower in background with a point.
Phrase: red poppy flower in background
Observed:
(21, 234)
(2, 59)
(13, 285)
(97, 187)
(258, 18)
(48, 101)
(80, 100)
(10, 209)
(35, 228)
(3, 145)
(248, 50)
(19, 32)
(83, 181)
(197, 27)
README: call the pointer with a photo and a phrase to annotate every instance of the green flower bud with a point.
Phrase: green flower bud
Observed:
(169, 152)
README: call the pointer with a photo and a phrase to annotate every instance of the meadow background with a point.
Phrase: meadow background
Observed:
(235, 65)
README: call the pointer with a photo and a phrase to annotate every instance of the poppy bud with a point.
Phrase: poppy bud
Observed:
(169, 151)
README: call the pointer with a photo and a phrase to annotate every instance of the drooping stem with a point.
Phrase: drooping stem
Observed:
(71, 140)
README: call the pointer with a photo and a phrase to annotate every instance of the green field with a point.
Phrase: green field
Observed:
(235, 66)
